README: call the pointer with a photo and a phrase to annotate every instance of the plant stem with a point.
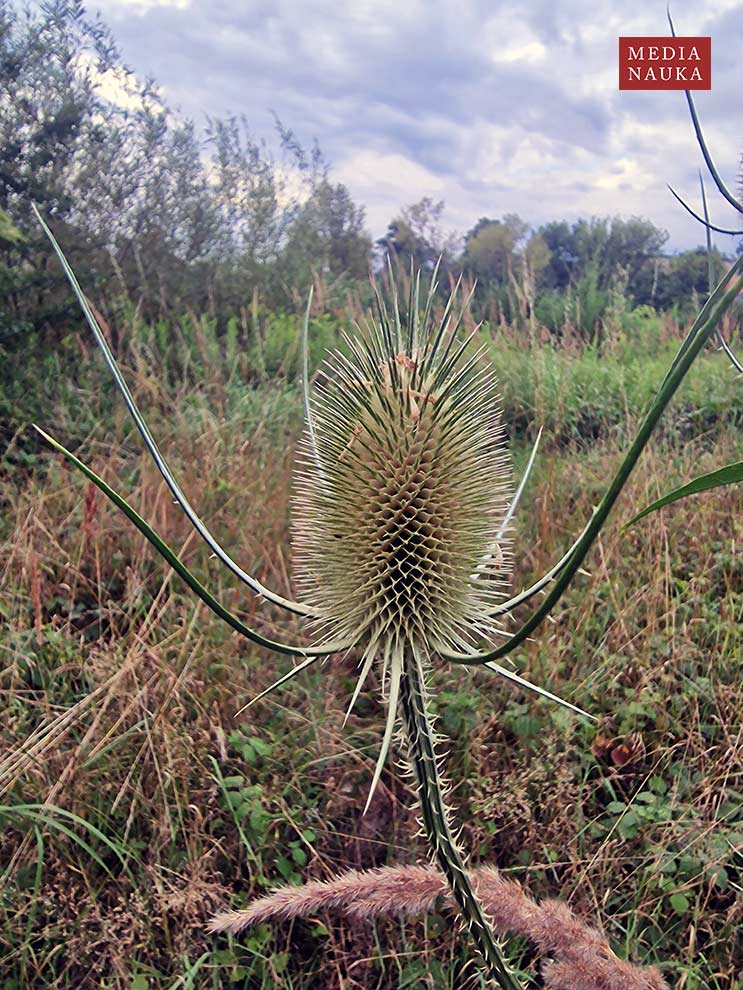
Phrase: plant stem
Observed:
(436, 820)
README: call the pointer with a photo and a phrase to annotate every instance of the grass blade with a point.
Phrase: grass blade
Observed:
(728, 475)
(50, 815)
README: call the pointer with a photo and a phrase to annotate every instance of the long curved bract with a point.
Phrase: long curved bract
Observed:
(522, 682)
(722, 189)
(704, 326)
(710, 277)
(183, 572)
(705, 223)
(152, 447)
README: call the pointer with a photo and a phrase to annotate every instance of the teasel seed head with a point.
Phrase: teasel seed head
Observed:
(403, 487)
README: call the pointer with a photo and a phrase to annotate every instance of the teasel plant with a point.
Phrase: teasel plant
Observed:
(402, 522)
(403, 550)
(402, 518)
(402, 554)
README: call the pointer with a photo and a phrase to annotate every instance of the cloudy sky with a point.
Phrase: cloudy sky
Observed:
(493, 107)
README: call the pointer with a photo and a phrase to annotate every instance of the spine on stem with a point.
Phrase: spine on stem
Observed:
(421, 743)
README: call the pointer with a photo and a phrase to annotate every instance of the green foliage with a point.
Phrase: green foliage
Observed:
(160, 221)
(277, 353)
(415, 237)
(152, 213)
(642, 329)
(582, 397)
(601, 243)
(551, 310)
(8, 233)
(491, 247)
(677, 282)
(587, 304)
(328, 238)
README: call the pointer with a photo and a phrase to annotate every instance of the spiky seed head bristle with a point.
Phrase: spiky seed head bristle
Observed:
(402, 490)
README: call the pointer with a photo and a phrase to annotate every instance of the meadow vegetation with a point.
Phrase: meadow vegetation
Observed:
(176, 215)
(134, 804)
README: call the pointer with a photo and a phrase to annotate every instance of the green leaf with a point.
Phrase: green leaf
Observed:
(8, 232)
(261, 747)
(728, 475)
(280, 961)
(235, 781)
(284, 866)
(628, 825)
(679, 902)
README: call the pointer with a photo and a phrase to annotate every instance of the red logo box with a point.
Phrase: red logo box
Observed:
(665, 63)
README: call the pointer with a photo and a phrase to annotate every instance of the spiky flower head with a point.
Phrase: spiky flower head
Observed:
(403, 487)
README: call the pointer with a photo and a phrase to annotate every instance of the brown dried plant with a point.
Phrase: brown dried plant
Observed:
(578, 956)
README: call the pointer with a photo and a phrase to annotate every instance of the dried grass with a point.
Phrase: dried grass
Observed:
(581, 956)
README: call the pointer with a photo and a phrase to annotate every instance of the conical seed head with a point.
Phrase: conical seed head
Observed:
(402, 493)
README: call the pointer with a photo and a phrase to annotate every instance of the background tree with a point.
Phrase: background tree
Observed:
(56, 135)
(601, 243)
(560, 239)
(537, 255)
(150, 211)
(684, 277)
(491, 251)
(168, 217)
(327, 237)
(416, 233)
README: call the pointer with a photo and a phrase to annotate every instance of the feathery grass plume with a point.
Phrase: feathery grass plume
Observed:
(581, 958)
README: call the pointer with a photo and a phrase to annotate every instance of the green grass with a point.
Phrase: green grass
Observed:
(588, 396)
(578, 394)
(125, 828)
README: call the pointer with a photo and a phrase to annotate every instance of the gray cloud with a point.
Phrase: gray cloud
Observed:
(494, 107)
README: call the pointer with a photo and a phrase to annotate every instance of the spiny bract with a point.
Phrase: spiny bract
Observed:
(402, 489)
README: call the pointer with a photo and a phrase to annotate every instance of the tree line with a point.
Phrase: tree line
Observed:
(172, 219)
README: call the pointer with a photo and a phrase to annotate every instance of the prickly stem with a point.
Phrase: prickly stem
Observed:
(421, 744)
